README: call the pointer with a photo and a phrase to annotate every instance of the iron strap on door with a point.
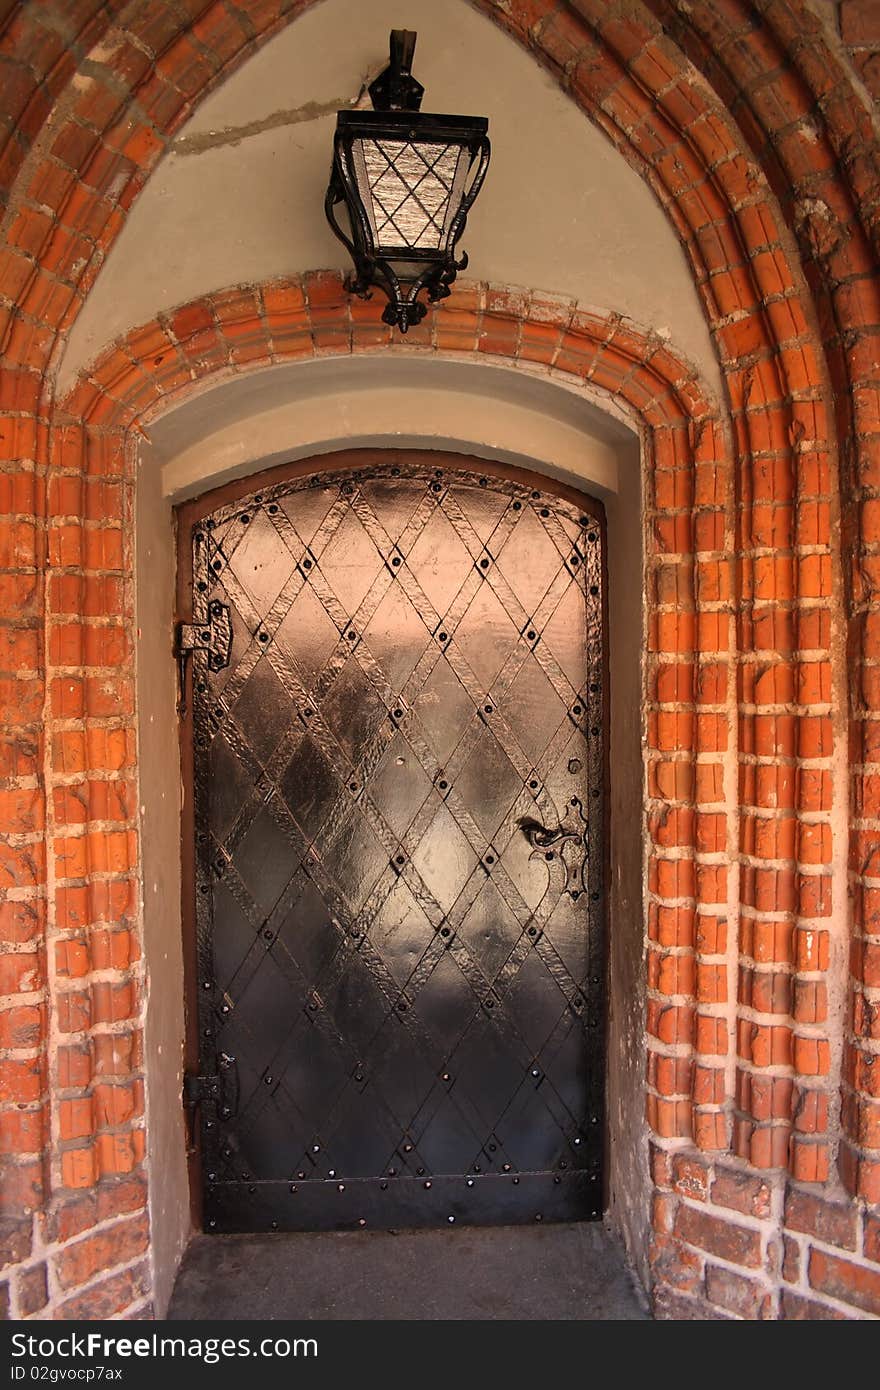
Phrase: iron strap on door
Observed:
(398, 689)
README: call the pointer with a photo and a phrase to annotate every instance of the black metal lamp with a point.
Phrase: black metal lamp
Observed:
(408, 181)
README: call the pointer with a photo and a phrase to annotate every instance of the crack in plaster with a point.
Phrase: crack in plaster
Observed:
(201, 141)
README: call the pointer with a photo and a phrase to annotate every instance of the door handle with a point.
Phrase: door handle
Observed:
(540, 837)
(566, 844)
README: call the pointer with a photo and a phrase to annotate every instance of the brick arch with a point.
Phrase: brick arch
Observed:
(756, 313)
(629, 81)
(90, 501)
(77, 181)
(817, 142)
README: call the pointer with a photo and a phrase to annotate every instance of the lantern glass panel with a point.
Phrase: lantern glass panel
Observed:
(410, 190)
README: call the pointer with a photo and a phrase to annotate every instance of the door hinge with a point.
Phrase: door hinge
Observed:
(220, 1088)
(213, 636)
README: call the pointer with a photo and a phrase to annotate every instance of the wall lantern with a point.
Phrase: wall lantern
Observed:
(408, 181)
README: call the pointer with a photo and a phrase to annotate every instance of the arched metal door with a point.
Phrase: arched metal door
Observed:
(397, 733)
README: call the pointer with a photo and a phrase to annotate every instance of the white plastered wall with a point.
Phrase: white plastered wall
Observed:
(491, 411)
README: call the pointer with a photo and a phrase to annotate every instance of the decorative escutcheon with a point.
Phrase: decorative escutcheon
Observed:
(566, 844)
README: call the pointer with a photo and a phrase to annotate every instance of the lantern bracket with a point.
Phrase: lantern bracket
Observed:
(395, 89)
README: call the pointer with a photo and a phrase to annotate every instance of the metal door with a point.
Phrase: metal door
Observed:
(398, 776)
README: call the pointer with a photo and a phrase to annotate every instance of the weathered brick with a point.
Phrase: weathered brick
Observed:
(68, 1217)
(827, 1221)
(16, 1239)
(860, 22)
(872, 1238)
(691, 1178)
(674, 1265)
(746, 1297)
(115, 1245)
(741, 1191)
(32, 1289)
(738, 1244)
(851, 1283)
(796, 1308)
(670, 1306)
(109, 1298)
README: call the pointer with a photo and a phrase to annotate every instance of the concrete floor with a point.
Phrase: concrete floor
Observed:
(573, 1272)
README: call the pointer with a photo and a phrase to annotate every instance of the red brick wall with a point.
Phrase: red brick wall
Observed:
(748, 128)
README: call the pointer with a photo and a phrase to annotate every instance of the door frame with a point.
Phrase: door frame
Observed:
(187, 515)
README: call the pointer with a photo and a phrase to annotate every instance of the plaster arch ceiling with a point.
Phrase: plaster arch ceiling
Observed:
(239, 195)
(296, 410)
